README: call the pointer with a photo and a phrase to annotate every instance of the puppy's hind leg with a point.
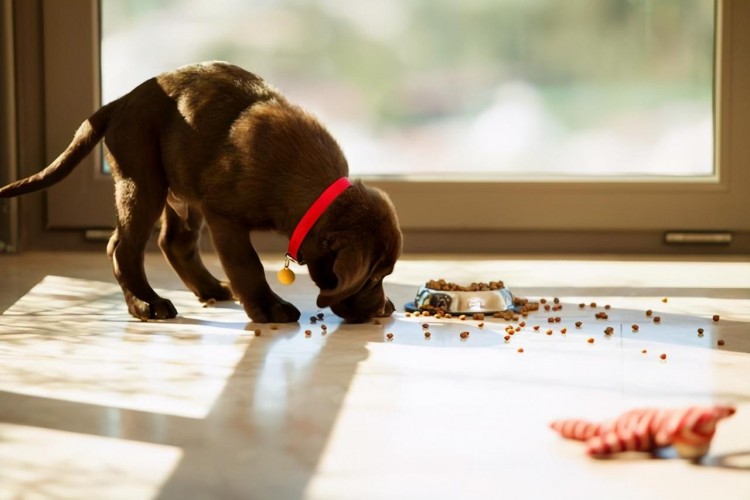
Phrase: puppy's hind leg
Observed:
(138, 208)
(179, 242)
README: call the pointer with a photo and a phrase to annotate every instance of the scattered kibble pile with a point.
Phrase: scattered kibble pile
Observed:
(524, 308)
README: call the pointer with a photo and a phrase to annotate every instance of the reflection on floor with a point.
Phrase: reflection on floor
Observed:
(95, 404)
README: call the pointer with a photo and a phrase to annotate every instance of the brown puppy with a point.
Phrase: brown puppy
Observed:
(212, 141)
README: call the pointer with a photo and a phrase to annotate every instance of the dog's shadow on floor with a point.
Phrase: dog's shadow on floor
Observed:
(271, 423)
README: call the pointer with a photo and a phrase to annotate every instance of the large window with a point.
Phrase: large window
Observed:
(425, 89)
(484, 120)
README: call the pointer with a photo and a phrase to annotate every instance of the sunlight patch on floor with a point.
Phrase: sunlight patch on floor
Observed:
(73, 340)
(80, 466)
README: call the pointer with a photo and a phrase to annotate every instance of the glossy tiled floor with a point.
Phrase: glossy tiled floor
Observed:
(94, 404)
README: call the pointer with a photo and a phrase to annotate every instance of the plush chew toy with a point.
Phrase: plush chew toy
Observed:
(688, 430)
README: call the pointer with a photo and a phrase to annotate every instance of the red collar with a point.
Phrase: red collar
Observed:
(313, 214)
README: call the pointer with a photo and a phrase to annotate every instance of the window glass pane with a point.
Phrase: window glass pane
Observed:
(447, 89)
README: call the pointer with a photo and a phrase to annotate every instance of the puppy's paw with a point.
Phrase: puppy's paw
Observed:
(158, 309)
(162, 309)
(277, 312)
(284, 312)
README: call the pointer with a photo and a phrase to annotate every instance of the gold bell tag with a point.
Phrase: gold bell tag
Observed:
(286, 275)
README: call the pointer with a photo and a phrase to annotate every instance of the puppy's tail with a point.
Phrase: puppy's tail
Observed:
(86, 137)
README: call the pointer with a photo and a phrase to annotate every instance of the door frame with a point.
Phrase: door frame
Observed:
(71, 47)
(8, 153)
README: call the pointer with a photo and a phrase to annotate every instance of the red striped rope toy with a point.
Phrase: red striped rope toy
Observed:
(689, 430)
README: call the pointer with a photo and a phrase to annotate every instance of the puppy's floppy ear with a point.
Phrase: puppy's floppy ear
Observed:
(352, 267)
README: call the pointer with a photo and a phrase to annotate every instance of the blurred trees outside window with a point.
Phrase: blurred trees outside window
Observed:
(422, 89)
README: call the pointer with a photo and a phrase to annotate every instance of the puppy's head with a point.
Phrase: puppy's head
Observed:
(355, 246)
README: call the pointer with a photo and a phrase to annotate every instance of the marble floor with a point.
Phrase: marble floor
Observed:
(95, 404)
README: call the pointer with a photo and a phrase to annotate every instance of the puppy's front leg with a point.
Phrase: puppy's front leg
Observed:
(245, 272)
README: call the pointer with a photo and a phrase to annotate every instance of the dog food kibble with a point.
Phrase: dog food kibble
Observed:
(550, 320)
(507, 338)
(556, 300)
(321, 315)
(579, 324)
(257, 333)
(547, 307)
(536, 328)
(520, 349)
(601, 315)
(274, 327)
(462, 317)
(313, 319)
(446, 286)
(720, 342)
(593, 304)
(542, 301)
(323, 327)
(649, 312)
(609, 331)
(425, 326)
(427, 335)
(643, 351)
(481, 324)
(549, 332)
(635, 328)
(657, 319)
(590, 340)
(558, 319)
(665, 300)
(376, 322)
(308, 333)
(700, 332)
(663, 356)
(478, 317)
(464, 335)
(525, 305)
(608, 306)
(581, 305)
(389, 336)
(564, 331)
(522, 324)
(716, 317)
